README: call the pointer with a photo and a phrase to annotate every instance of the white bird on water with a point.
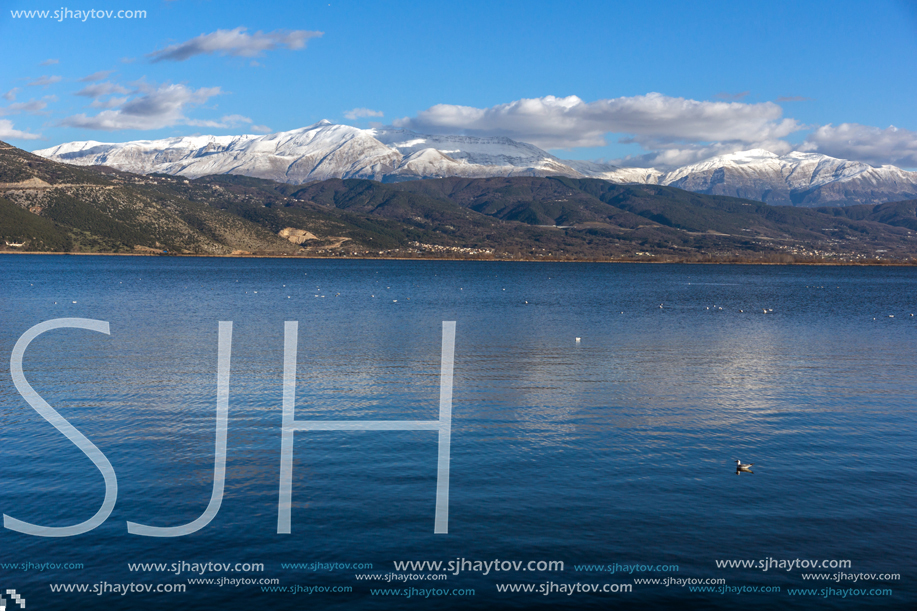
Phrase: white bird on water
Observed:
(741, 466)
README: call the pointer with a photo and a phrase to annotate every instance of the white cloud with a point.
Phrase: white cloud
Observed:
(99, 90)
(670, 156)
(234, 42)
(725, 95)
(224, 123)
(8, 133)
(158, 107)
(552, 122)
(44, 81)
(359, 113)
(96, 76)
(872, 145)
(49, 62)
(31, 107)
(109, 103)
(231, 121)
(10, 96)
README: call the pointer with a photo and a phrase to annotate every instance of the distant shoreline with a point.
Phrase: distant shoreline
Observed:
(879, 263)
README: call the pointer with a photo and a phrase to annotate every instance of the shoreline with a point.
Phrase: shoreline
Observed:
(878, 263)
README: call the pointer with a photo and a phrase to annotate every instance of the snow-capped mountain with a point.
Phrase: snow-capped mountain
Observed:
(326, 150)
(806, 179)
(318, 152)
(313, 153)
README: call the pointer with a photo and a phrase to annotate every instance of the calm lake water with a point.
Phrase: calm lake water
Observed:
(616, 449)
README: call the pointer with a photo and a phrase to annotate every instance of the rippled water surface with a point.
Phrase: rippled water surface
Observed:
(617, 448)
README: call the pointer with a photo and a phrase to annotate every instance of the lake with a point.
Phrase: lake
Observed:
(597, 413)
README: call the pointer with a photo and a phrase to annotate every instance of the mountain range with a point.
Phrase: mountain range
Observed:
(325, 150)
(50, 206)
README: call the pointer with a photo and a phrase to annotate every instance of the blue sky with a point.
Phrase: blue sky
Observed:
(650, 83)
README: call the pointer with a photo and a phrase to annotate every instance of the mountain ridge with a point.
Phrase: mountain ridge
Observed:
(50, 206)
(326, 150)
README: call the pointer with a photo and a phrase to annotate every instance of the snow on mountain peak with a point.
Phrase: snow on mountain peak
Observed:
(329, 150)
(750, 156)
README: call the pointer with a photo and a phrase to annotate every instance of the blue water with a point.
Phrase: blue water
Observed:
(618, 448)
